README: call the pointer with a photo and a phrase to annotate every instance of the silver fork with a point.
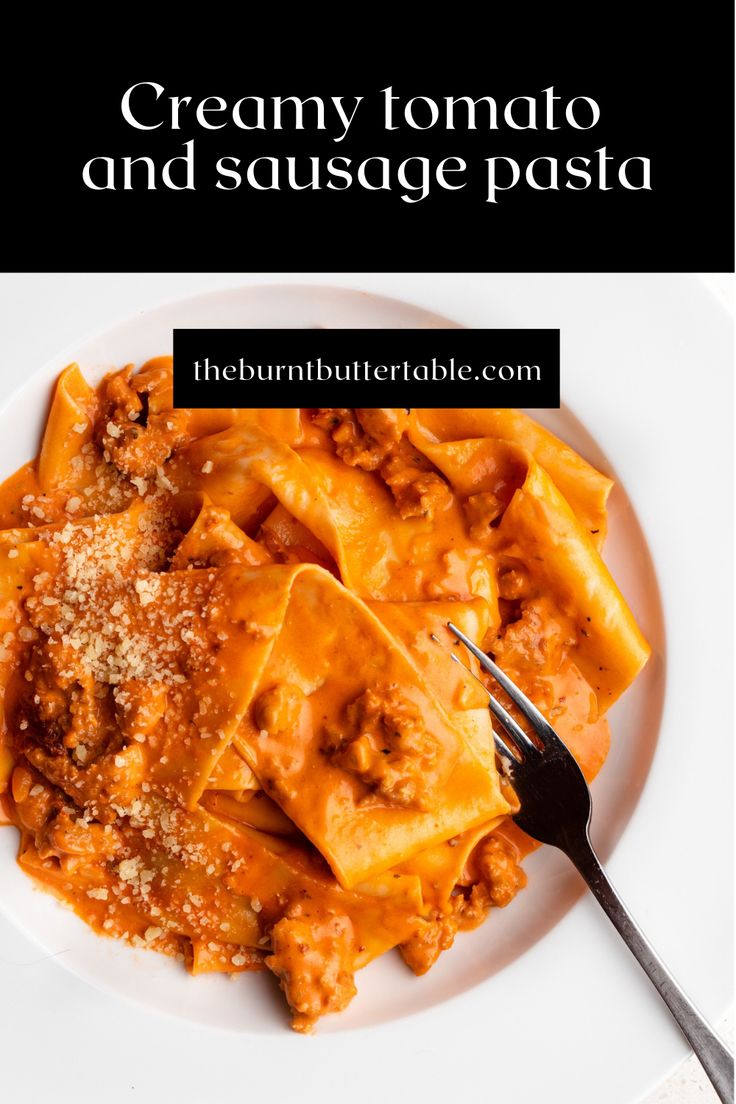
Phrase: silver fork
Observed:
(556, 808)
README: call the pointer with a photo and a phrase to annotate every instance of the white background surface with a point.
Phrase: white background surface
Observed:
(389, 993)
(688, 1084)
(120, 1051)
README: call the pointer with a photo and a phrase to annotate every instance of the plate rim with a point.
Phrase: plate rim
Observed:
(69, 350)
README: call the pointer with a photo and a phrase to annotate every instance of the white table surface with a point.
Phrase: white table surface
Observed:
(688, 1084)
(100, 301)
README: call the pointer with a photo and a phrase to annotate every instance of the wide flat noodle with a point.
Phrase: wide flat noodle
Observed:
(384, 556)
(232, 729)
(379, 554)
(282, 424)
(359, 836)
(539, 528)
(215, 538)
(422, 629)
(383, 910)
(584, 488)
(68, 430)
(440, 868)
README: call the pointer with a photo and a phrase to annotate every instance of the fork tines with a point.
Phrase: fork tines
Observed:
(525, 746)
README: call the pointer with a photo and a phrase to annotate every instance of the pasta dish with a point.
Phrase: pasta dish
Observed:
(227, 734)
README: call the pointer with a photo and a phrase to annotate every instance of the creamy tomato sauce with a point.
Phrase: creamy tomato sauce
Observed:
(227, 732)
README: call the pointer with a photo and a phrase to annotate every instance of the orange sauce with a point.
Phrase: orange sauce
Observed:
(227, 733)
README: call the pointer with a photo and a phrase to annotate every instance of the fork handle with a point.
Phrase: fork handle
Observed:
(715, 1058)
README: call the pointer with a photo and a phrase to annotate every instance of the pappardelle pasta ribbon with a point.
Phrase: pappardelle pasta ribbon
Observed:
(227, 731)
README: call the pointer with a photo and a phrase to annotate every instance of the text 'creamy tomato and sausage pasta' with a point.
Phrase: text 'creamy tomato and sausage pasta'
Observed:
(227, 733)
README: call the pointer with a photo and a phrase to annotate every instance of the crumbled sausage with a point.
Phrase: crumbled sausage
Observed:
(540, 638)
(313, 960)
(481, 511)
(353, 445)
(386, 425)
(471, 906)
(384, 741)
(138, 429)
(60, 708)
(499, 868)
(279, 708)
(373, 439)
(419, 491)
(514, 584)
(427, 943)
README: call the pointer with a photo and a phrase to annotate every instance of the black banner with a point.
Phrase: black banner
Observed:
(322, 368)
(556, 139)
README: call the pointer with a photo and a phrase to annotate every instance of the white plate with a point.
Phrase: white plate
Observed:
(570, 997)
